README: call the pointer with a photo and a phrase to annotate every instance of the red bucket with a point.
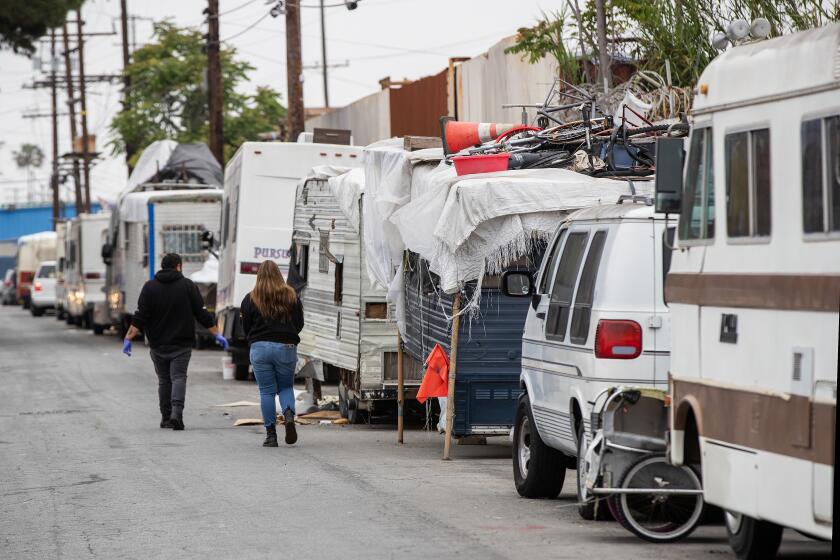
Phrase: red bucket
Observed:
(483, 163)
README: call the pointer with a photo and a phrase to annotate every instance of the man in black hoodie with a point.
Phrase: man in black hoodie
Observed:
(167, 310)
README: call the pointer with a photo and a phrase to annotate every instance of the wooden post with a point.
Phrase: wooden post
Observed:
(71, 110)
(80, 50)
(294, 73)
(215, 102)
(400, 389)
(56, 210)
(453, 362)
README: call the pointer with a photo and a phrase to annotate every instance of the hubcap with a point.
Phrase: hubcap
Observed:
(733, 521)
(524, 446)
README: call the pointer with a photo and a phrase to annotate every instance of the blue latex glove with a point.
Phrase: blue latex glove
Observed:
(127, 347)
(221, 341)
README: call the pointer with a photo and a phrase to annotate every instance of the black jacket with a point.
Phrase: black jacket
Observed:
(258, 329)
(168, 308)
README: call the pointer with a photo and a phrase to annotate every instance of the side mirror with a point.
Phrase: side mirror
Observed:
(517, 283)
(669, 174)
(107, 253)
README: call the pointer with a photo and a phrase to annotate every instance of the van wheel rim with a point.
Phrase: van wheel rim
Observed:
(524, 446)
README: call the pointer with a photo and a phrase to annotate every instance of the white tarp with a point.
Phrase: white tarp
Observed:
(208, 273)
(347, 189)
(134, 207)
(464, 226)
(390, 172)
(153, 158)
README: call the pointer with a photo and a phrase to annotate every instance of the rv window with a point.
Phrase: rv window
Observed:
(303, 261)
(698, 211)
(323, 247)
(184, 240)
(748, 184)
(226, 223)
(564, 285)
(821, 175)
(586, 290)
(339, 282)
(551, 263)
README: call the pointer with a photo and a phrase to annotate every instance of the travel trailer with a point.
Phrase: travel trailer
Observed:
(84, 272)
(754, 286)
(258, 213)
(61, 228)
(31, 251)
(349, 326)
(145, 225)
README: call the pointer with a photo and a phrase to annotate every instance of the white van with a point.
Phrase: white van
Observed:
(257, 222)
(43, 289)
(148, 223)
(84, 271)
(754, 289)
(597, 319)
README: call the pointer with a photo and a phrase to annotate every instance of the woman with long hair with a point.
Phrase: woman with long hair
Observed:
(272, 317)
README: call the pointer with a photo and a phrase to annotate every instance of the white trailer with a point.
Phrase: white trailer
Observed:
(31, 251)
(84, 271)
(258, 214)
(349, 326)
(61, 228)
(754, 287)
(148, 223)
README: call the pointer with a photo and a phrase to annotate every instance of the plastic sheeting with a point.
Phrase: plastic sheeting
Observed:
(347, 189)
(466, 226)
(134, 207)
(169, 160)
(208, 273)
(153, 158)
(389, 179)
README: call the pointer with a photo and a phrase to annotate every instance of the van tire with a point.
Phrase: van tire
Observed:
(593, 509)
(36, 311)
(545, 471)
(752, 539)
(98, 329)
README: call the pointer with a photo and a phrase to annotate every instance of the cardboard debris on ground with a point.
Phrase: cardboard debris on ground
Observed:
(322, 415)
(341, 421)
(248, 422)
(237, 403)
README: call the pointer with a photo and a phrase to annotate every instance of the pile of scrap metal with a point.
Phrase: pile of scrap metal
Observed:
(573, 130)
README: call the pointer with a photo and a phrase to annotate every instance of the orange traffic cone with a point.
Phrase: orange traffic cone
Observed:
(457, 135)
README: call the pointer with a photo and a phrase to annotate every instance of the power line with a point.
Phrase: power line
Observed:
(250, 27)
(239, 7)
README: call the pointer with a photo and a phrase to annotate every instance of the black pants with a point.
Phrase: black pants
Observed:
(171, 368)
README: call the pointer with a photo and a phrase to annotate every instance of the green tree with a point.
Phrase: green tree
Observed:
(168, 96)
(29, 156)
(22, 22)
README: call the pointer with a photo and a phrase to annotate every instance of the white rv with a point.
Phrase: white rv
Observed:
(258, 213)
(31, 251)
(349, 326)
(754, 287)
(84, 271)
(61, 228)
(154, 220)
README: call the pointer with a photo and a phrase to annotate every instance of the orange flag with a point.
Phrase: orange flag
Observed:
(436, 379)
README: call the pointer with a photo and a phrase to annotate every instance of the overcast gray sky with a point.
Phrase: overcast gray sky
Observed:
(397, 38)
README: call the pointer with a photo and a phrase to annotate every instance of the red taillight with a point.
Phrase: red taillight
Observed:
(37, 286)
(249, 268)
(92, 276)
(619, 340)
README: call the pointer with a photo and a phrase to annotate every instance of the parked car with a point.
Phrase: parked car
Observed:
(8, 292)
(43, 289)
(597, 319)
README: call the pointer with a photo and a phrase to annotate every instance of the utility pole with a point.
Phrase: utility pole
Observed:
(80, 45)
(604, 62)
(71, 109)
(129, 149)
(324, 57)
(214, 82)
(294, 69)
(54, 105)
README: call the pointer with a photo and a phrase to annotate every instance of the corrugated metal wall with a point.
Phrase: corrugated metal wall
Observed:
(416, 108)
(489, 351)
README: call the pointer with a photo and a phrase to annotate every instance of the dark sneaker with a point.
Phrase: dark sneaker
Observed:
(270, 436)
(289, 423)
(166, 423)
(176, 423)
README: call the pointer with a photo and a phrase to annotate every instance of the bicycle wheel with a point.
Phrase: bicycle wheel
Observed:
(658, 518)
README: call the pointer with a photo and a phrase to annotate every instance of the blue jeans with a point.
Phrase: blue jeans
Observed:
(274, 367)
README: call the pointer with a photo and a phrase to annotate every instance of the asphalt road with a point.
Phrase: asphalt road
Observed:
(85, 472)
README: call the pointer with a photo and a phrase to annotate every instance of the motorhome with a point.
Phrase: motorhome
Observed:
(754, 287)
(61, 227)
(349, 326)
(155, 219)
(84, 272)
(258, 213)
(31, 251)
